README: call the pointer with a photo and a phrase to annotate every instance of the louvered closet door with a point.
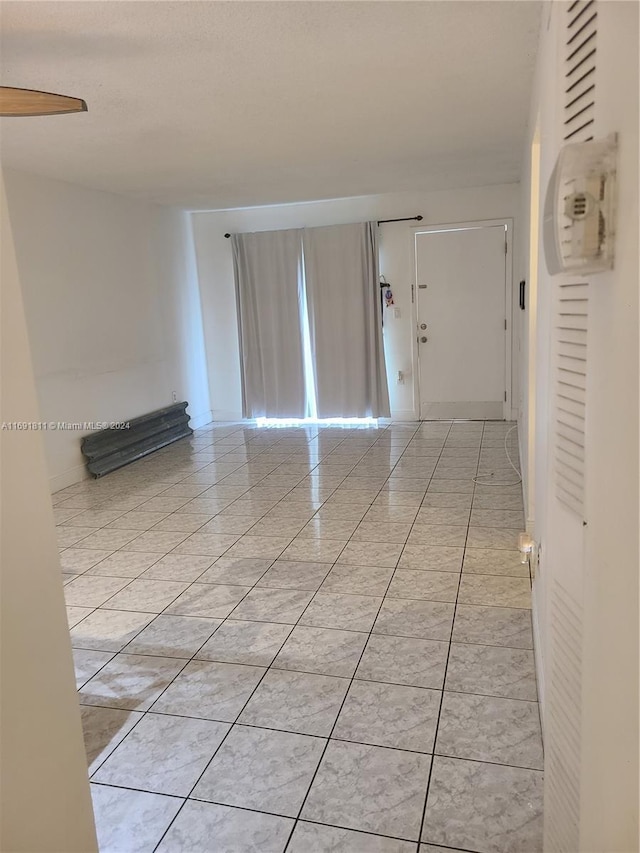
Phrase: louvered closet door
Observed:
(580, 70)
(563, 557)
(563, 561)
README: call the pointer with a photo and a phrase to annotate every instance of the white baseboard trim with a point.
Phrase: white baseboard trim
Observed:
(197, 421)
(68, 478)
(226, 415)
(403, 415)
(485, 410)
(523, 477)
(538, 661)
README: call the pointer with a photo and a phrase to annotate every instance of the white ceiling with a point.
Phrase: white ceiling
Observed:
(226, 104)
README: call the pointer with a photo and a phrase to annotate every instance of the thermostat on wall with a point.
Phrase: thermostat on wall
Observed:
(579, 208)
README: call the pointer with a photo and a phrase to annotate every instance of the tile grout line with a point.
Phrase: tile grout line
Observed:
(214, 559)
(234, 724)
(150, 709)
(353, 678)
(122, 650)
(323, 502)
(187, 661)
(446, 667)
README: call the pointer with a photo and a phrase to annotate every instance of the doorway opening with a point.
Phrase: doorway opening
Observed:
(462, 311)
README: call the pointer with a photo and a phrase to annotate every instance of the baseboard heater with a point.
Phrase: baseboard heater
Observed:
(110, 449)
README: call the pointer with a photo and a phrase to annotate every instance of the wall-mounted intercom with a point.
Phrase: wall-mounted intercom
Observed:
(579, 210)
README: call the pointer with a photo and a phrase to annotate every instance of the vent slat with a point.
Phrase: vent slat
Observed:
(579, 116)
(571, 364)
(572, 459)
(571, 475)
(573, 379)
(579, 62)
(572, 337)
(572, 351)
(571, 392)
(573, 421)
(580, 72)
(582, 28)
(587, 42)
(587, 74)
(566, 409)
(565, 441)
(580, 14)
(566, 412)
(585, 92)
(572, 321)
(579, 129)
(576, 407)
(570, 435)
(568, 395)
(570, 448)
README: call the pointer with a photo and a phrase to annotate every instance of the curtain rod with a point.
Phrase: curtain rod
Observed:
(403, 219)
(383, 221)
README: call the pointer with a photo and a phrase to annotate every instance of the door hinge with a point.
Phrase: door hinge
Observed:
(505, 247)
(505, 396)
(413, 290)
(505, 324)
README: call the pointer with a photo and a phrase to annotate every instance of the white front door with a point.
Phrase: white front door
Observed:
(461, 317)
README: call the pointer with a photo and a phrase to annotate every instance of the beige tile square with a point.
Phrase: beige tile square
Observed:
(237, 641)
(232, 828)
(370, 788)
(371, 554)
(262, 770)
(149, 596)
(322, 650)
(93, 591)
(122, 814)
(108, 630)
(211, 600)
(131, 682)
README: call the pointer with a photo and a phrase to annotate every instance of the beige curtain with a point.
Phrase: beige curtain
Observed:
(345, 322)
(268, 275)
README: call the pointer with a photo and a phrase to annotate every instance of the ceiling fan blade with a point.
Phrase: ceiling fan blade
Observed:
(31, 102)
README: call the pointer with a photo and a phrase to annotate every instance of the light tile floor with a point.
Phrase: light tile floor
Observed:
(307, 639)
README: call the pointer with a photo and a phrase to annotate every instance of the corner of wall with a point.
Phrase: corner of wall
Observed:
(68, 478)
(204, 418)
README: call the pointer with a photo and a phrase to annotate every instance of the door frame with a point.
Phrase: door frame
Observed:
(507, 222)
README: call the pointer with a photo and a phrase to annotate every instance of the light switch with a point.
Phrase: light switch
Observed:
(396, 313)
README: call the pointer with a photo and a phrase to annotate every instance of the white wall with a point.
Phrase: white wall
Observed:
(525, 321)
(607, 562)
(179, 298)
(46, 806)
(215, 268)
(611, 659)
(113, 310)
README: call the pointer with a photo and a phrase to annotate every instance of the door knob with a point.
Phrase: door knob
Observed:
(423, 339)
